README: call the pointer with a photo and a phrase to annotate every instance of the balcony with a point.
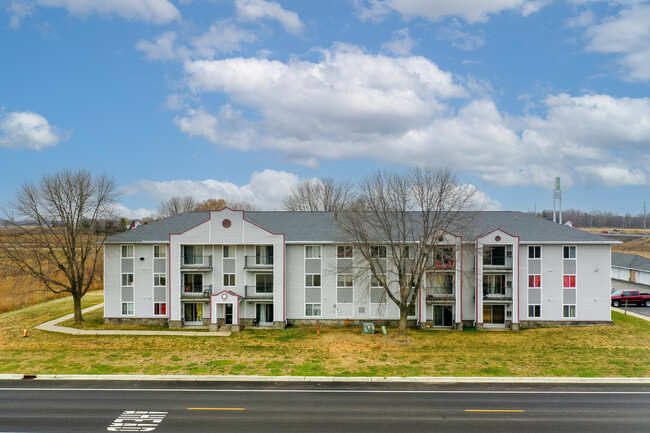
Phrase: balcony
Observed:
(259, 291)
(437, 295)
(196, 263)
(491, 293)
(258, 262)
(195, 291)
(443, 266)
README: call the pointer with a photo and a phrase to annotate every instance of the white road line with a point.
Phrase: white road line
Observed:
(324, 391)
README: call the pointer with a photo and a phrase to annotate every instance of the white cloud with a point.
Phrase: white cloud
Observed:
(221, 37)
(626, 35)
(26, 130)
(401, 44)
(458, 38)
(18, 11)
(266, 189)
(125, 212)
(470, 10)
(163, 48)
(354, 105)
(152, 11)
(254, 10)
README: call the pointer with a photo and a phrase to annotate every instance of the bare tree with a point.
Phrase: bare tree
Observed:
(398, 228)
(54, 228)
(320, 195)
(241, 205)
(176, 205)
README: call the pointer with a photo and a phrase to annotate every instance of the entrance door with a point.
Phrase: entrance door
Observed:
(228, 314)
(193, 313)
(264, 313)
(494, 314)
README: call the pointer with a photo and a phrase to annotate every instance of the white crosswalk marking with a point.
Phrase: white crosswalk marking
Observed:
(137, 421)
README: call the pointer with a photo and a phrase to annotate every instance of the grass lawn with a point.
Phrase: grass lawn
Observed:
(619, 350)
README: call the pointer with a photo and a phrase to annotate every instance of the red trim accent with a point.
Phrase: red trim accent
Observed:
(461, 280)
(476, 283)
(519, 284)
(169, 284)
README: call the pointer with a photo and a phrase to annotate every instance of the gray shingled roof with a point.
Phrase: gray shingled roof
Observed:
(630, 261)
(322, 227)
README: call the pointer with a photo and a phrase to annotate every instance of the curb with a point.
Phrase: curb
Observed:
(631, 313)
(389, 379)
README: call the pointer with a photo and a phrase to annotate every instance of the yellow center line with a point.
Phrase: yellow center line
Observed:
(494, 410)
(216, 408)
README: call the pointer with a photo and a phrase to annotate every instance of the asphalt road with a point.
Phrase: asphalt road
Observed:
(40, 406)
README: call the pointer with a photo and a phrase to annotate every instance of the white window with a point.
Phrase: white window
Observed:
(534, 252)
(312, 310)
(312, 252)
(228, 280)
(229, 251)
(569, 311)
(127, 251)
(378, 251)
(312, 280)
(377, 280)
(127, 279)
(534, 311)
(569, 252)
(159, 279)
(344, 251)
(159, 251)
(127, 309)
(409, 252)
(344, 280)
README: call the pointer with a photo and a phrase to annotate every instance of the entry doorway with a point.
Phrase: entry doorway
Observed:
(228, 317)
(494, 315)
(193, 313)
(264, 314)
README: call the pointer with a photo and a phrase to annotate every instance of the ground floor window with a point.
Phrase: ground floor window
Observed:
(128, 305)
(160, 308)
(127, 309)
(312, 310)
(569, 311)
(534, 311)
(494, 314)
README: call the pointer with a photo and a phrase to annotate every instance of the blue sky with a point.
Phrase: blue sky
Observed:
(242, 99)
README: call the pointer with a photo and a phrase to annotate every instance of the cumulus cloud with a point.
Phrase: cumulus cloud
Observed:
(470, 10)
(26, 130)
(254, 10)
(266, 189)
(18, 11)
(405, 110)
(627, 36)
(152, 11)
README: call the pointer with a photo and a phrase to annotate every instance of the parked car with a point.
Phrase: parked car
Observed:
(630, 297)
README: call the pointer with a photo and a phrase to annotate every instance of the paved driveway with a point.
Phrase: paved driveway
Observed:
(626, 285)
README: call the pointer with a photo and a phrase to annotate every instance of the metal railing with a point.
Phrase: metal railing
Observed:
(259, 291)
(258, 261)
(196, 289)
(196, 261)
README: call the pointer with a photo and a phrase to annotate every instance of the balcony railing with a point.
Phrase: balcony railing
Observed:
(439, 293)
(196, 290)
(259, 291)
(258, 261)
(196, 262)
(492, 292)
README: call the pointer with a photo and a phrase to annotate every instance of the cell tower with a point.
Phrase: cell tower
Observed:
(557, 196)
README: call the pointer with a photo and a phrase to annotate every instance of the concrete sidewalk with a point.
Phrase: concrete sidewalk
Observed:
(631, 313)
(388, 379)
(53, 326)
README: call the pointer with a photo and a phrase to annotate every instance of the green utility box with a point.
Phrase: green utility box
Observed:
(368, 328)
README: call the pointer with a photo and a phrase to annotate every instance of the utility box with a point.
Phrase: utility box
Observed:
(368, 328)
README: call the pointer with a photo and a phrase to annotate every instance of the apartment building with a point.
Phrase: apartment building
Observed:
(228, 267)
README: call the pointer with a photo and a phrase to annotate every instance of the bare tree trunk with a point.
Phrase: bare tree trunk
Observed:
(77, 309)
(403, 316)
